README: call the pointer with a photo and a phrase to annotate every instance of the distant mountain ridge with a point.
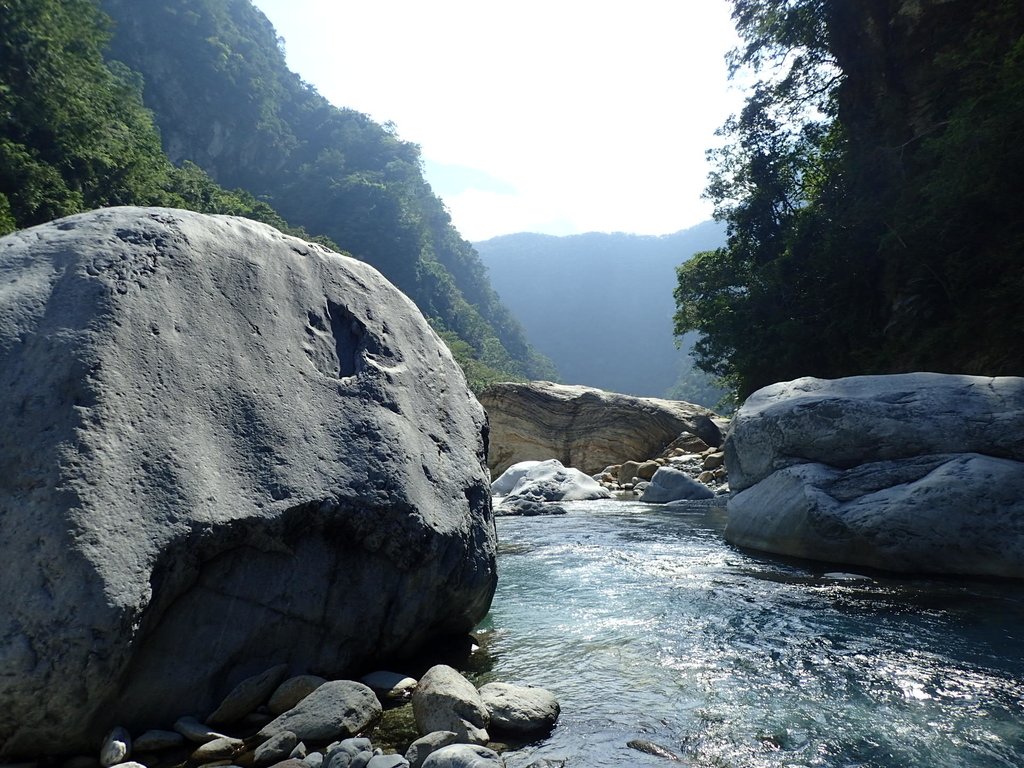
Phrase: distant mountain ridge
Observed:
(601, 305)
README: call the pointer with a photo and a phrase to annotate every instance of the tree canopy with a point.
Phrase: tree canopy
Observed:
(869, 187)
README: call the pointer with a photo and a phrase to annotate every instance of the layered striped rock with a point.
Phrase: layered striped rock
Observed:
(583, 427)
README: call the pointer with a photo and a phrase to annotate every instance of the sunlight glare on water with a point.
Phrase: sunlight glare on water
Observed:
(647, 625)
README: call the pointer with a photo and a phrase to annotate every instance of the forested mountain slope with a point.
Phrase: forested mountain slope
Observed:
(600, 306)
(74, 134)
(217, 82)
(77, 131)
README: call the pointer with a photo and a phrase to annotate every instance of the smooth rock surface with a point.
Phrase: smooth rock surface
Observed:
(422, 747)
(195, 731)
(223, 448)
(446, 701)
(117, 746)
(550, 481)
(524, 507)
(464, 756)
(250, 693)
(275, 749)
(508, 479)
(584, 427)
(947, 513)
(670, 484)
(223, 748)
(518, 709)
(337, 709)
(292, 691)
(917, 473)
(155, 740)
(389, 686)
(387, 761)
(860, 419)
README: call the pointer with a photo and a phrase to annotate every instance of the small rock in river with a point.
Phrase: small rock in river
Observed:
(223, 748)
(420, 749)
(520, 709)
(276, 749)
(116, 747)
(642, 745)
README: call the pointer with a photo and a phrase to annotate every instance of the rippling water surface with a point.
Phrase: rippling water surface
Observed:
(647, 625)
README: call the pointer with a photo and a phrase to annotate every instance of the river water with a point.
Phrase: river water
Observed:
(647, 625)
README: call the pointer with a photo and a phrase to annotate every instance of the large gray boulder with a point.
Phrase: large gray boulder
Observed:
(550, 481)
(221, 449)
(444, 700)
(851, 421)
(671, 484)
(339, 709)
(584, 427)
(916, 472)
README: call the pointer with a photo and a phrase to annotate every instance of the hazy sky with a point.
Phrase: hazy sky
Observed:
(556, 116)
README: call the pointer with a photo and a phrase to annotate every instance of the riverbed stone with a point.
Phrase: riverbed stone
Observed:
(155, 740)
(223, 448)
(337, 709)
(422, 747)
(670, 484)
(550, 481)
(917, 473)
(464, 756)
(646, 470)
(524, 507)
(116, 748)
(388, 761)
(519, 709)
(248, 694)
(195, 731)
(224, 748)
(277, 748)
(292, 691)
(446, 701)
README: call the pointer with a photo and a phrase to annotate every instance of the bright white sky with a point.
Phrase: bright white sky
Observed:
(554, 116)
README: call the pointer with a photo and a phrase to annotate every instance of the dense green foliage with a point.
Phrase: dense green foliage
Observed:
(597, 305)
(216, 80)
(870, 188)
(74, 134)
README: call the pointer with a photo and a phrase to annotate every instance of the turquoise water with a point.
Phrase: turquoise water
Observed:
(647, 625)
